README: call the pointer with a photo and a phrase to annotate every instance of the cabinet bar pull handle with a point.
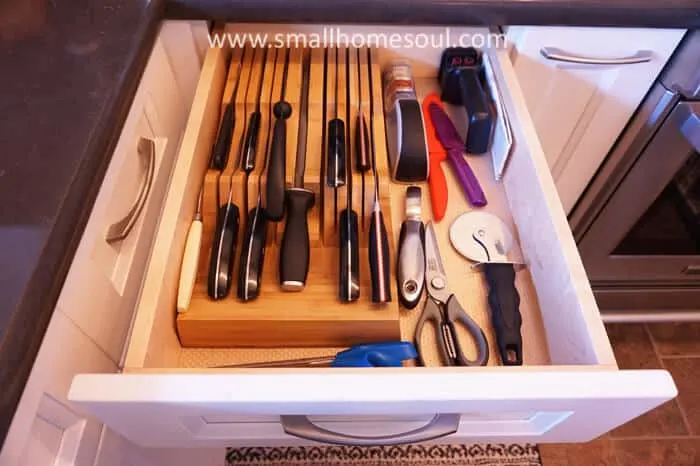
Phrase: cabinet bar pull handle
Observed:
(689, 123)
(691, 270)
(557, 54)
(146, 149)
(439, 426)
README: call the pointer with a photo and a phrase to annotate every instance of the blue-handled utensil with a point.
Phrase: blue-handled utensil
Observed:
(388, 354)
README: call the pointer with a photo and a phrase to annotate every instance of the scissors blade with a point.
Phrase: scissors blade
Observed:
(433, 261)
(435, 277)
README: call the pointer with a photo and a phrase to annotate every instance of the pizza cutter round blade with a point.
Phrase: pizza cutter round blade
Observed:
(485, 239)
(490, 231)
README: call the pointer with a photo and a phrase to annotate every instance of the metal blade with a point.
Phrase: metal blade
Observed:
(445, 129)
(433, 261)
(481, 237)
(303, 115)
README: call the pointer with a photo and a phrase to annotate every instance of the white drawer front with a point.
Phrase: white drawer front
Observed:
(516, 405)
(571, 392)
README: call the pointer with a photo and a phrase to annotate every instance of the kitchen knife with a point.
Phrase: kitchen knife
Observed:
(294, 255)
(222, 145)
(190, 258)
(436, 179)
(451, 140)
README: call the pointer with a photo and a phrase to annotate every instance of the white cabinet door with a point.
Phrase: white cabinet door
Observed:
(581, 86)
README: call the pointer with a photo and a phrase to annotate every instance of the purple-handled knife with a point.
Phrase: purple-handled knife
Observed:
(453, 144)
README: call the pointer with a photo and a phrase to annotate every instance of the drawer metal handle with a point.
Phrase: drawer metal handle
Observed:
(691, 270)
(439, 426)
(146, 149)
(557, 54)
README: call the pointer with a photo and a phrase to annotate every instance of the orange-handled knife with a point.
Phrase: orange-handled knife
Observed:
(436, 180)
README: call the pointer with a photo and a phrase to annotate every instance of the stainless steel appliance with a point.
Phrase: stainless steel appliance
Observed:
(638, 223)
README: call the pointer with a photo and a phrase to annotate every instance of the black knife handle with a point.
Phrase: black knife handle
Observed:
(250, 144)
(349, 273)
(252, 255)
(479, 113)
(294, 255)
(505, 311)
(277, 165)
(335, 164)
(363, 161)
(379, 258)
(223, 252)
(222, 145)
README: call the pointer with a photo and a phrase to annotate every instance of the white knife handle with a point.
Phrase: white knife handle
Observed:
(188, 270)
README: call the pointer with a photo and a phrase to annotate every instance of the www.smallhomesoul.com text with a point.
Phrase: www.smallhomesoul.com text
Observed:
(335, 36)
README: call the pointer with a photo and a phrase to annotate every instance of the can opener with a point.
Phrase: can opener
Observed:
(483, 238)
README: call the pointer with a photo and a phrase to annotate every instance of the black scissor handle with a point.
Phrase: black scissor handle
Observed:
(455, 313)
(431, 313)
(448, 342)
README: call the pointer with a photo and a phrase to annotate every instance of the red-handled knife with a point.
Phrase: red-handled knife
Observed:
(436, 179)
(452, 141)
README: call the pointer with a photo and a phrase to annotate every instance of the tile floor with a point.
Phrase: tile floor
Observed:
(670, 434)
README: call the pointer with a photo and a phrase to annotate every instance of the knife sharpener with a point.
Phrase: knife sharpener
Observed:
(405, 128)
(460, 77)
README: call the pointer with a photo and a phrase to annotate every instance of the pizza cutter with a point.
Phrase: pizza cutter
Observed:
(483, 238)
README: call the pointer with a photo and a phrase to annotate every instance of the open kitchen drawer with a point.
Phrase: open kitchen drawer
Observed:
(568, 390)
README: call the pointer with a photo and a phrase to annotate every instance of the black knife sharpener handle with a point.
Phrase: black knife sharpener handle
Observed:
(335, 163)
(252, 256)
(222, 145)
(379, 258)
(505, 311)
(294, 255)
(250, 144)
(277, 165)
(460, 83)
(223, 252)
(349, 273)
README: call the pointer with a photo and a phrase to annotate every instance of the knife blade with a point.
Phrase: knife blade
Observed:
(452, 142)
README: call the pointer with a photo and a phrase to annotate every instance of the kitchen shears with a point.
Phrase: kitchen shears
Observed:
(444, 311)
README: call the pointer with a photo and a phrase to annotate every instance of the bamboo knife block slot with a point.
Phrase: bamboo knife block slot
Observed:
(313, 317)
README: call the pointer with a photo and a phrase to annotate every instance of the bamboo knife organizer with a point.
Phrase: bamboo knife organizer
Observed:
(313, 317)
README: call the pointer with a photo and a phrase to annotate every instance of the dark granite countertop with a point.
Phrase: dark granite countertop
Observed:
(69, 73)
